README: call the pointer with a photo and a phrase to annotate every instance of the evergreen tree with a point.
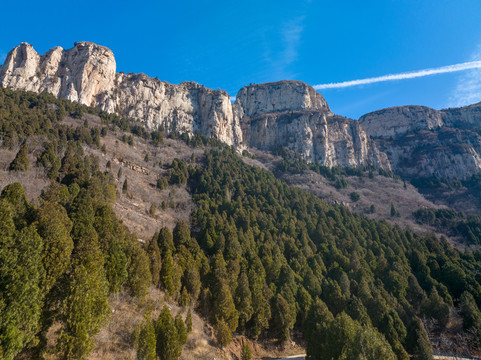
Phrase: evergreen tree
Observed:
(165, 240)
(54, 227)
(116, 267)
(181, 330)
(417, 341)
(188, 321)
(471, 314)
(85, 308)
(140, 277)
(344, 338)
(20, 163)
(224, 308)
(155, 260)
(146, 349)
(282, 319)
(243, 300)
(15, 195)
(246, 352)
(168, 344)
(315, 325)
(166, 273)
(191, 281)
(223, 333)
(181, 234)
(21, 278)
(436, 308)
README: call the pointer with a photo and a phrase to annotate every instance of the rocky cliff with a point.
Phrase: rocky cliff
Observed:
(87, 73)
(423, 142)
(414, 141)
(292, 114)
(268, 116)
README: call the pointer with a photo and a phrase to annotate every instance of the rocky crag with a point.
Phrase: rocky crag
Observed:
(413, 141)
(423, 142)
(268, 116)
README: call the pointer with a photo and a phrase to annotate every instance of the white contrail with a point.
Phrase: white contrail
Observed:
(405, 75)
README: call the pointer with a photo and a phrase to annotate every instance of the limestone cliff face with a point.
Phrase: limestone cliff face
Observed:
(267, 116)
(87, 74)
(79, 74)
(423, 142)
(292, 114)
(278, 96)
(400, 120)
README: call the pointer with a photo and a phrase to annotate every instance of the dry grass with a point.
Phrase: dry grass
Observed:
(117, 339)
(33, 180)
(133, 207)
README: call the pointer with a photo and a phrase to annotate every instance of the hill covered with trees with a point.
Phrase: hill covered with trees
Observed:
(258, 258)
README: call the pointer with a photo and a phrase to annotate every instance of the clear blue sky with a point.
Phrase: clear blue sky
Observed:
(229, 44)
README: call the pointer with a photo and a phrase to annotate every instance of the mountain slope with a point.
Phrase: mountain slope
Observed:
(260, 257)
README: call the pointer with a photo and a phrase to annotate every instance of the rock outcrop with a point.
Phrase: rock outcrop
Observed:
(79, 74)
(258, 99)
(413, 141)
(308, 126)
(423, 142)
(400, 120)
(87, 73)
(268, 116)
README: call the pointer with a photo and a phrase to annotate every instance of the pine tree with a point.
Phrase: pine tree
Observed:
(146, 349)
(168, 345)
(20, 163)
(155, 260)
(181, 330)
(243, 300)
(166, 273)
(165, 240)
(85, 307)
(188, 321)
(21, 278)
(125, 186)
(54, 227)
(246, 352)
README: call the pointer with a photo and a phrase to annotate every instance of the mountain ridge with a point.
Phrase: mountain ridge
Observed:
(411, 141)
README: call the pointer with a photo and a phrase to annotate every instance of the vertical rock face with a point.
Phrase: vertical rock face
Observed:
(79, 74)
(279, 96)
(187, 107)
(86, 73)
(423, 142)
(282, 114)
(292, 114)
(400, 120)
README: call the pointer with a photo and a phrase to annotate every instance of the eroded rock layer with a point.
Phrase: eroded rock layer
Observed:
(423, 142)
(282, 114)
(308, 126)
(87, 73)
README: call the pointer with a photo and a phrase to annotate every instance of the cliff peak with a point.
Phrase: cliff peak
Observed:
(286, 95)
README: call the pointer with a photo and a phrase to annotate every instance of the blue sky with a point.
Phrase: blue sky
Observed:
(227, 44)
